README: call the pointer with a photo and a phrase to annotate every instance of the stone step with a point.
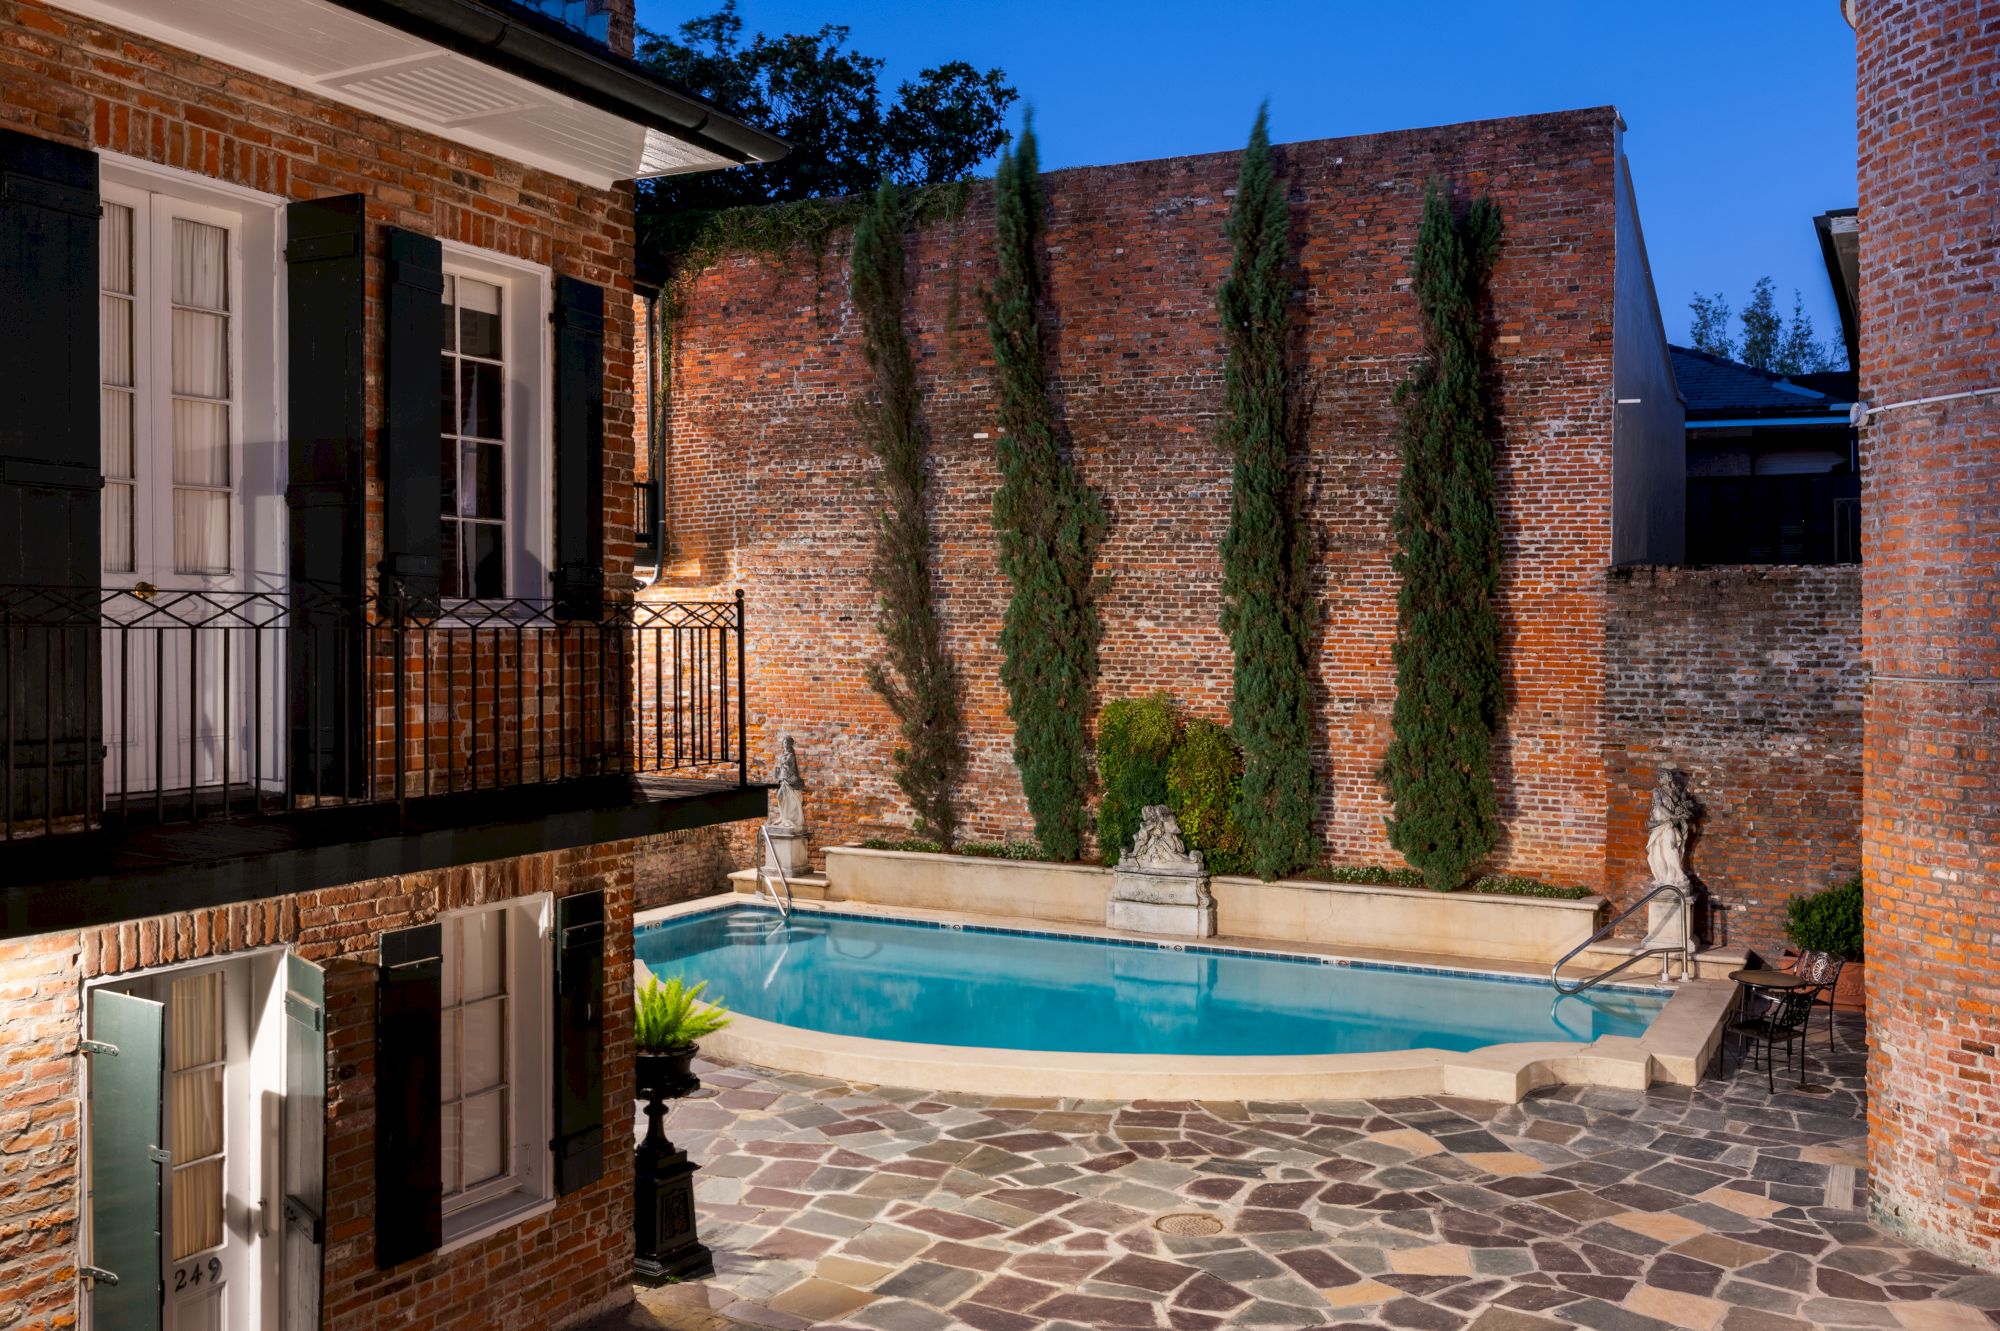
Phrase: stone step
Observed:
(1709, 964)
(805, 887)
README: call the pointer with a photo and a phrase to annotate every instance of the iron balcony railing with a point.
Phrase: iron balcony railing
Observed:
(147, 704)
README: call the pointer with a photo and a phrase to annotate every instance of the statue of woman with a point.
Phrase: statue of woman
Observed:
(788, 810)
(1667, 828)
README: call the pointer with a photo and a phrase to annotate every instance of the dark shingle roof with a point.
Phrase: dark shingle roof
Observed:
(1713, 386)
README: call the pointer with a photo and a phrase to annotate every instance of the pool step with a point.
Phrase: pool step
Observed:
(805, 887)
(1713, 963)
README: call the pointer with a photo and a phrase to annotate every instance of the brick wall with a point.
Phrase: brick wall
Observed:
(1930, 324)
(1749, 679)
(554, 1270)
(770, 484)
(683, 865)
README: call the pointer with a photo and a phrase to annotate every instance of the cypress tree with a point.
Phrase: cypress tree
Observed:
(1049, 523)
(917, 677)
(1266, 566)
(1449, 695)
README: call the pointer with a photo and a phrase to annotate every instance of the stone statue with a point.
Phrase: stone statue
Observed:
(1158, 848)
(788, 810)
(1667, 828)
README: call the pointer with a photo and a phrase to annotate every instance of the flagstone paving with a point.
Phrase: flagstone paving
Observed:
(1717, 1208)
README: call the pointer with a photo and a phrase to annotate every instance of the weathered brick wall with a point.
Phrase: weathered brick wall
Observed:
(683, 865)
(554, 1270)
(1930, 325)
(1749, 679)
(81, 82)
(771, 484)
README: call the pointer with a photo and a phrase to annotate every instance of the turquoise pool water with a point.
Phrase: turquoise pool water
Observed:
(1010, 989)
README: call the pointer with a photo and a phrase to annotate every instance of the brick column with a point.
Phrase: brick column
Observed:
(1928, 79)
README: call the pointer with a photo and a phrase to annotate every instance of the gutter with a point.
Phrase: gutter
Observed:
(542, 52)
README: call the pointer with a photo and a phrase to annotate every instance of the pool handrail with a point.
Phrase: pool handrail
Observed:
(764, 864)
(1686, 948)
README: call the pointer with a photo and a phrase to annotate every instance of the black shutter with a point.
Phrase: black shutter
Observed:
(410, 466)
(579, 418)
(50, 474)
(579, 1051)
(326, 300)
(409, 1180)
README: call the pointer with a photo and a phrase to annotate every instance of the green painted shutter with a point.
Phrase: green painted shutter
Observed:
(579, 427)
(579, 1043)
(127, 1160)
(414, 321)
(304, 1144)
(409, 1062)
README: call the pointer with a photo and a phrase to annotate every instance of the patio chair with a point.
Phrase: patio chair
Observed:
(1783, 1020)
(1823, 969)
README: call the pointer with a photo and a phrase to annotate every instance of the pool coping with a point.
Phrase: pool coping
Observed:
(1675, 1048)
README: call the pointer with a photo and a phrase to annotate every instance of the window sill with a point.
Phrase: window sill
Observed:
(491, 1217)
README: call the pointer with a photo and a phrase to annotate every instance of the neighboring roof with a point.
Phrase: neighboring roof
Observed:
(1717, 388)
(1840, 245)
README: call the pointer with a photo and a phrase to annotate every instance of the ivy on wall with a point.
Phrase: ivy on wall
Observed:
(1049, 524)
(1266, 554)
(916, 676)
(1449, 693)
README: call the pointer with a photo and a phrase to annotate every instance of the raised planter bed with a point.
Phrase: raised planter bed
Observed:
(1469, 925)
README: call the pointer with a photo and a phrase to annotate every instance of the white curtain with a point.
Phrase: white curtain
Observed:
(201, 401)
(114, 359)
(195, 1137)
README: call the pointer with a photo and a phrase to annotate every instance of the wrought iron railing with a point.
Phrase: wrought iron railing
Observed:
(159, 704)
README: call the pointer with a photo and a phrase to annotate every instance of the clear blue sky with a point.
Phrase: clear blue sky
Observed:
(1740, 116)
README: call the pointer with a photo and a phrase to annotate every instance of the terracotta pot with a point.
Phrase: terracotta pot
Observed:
(667, 1074)
(1850, 992)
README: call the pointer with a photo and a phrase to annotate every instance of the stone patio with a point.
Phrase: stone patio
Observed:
(1721, 1206)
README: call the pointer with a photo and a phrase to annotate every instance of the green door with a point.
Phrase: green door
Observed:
(126, 1161)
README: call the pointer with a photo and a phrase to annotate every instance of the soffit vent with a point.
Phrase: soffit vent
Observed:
(442, 88)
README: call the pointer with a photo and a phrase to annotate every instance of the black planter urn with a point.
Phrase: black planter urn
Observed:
(663, 1214)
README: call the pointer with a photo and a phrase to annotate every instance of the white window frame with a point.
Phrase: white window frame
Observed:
(257, 328)
(527, 352)
(527, 1185)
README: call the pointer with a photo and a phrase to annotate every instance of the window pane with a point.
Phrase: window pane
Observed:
(450, 318)
(478, 318)
(448, 1139)
(448, 1046)
(482, 954)
(447, 396)
(117, 528)
(114, 248)
(201, 265)
(114, 340)
(488, 572)
(479, 400)
(201, 531)
(197, 1208)
(453, 581)
(448, 477)
(482, 1051)
(483, 1142)
(114, 427)
(201, 354)
(485, 476)
(201, 443)
(197, 1129)
(195, 1003)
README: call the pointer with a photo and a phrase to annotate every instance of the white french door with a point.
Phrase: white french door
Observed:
(184, 656)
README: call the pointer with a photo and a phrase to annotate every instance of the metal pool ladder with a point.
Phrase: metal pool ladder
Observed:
(1686, 949)
(770, 857)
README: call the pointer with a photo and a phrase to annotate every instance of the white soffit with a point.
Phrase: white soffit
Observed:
(321, 48)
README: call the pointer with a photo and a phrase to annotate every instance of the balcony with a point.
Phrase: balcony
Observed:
(196, 742)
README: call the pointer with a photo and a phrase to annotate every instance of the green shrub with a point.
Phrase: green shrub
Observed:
(1364, 873)
(1135, 738)
(1827, 921)
(1003, 850)
(1204, 784)
(668, 1016)
(1512, 885)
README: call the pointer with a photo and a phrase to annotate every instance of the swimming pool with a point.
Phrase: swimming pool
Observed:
(940, 984)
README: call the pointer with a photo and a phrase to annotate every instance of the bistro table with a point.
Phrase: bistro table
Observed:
(1756, 981)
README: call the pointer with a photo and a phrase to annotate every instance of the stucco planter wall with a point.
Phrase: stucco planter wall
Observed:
(1461, 924)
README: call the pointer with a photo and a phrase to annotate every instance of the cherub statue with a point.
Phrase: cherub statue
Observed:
(788, 811)
(1158, 848)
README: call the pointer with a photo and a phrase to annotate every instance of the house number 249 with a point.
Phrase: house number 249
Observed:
(190, 1276)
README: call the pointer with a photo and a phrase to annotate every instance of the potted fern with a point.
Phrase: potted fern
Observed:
(672, 1016)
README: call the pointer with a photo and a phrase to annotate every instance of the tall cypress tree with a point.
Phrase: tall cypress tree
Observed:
(918, 678)
(1449, 694)
(1049, 524)
(1266, 566)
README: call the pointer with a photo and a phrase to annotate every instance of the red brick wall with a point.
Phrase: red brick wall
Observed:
(771, 484)
(1930, 324)
(1749, 679)
(683, 865)
(554, 1270)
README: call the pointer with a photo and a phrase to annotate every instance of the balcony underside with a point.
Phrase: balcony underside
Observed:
(114, 874)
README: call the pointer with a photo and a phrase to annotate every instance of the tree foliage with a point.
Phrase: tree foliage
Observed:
(827, 101)
(1763, 326)
(1205, 789)
(1708, 325)
(1266, 565)
(1449, 695)
(917, 677)
(1769, 340)
(1135, 738)
(1049, 524)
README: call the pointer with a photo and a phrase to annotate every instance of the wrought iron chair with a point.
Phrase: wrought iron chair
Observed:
(1823, 969)
(1782, 1020)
